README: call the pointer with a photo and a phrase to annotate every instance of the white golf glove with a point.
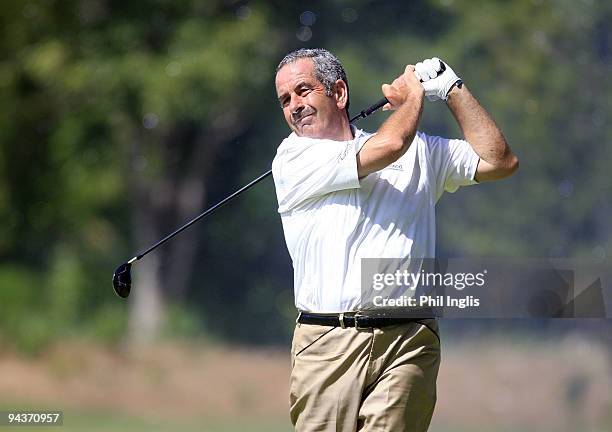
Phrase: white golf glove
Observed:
(436, 87)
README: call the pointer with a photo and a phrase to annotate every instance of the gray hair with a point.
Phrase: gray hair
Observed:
(327, 67)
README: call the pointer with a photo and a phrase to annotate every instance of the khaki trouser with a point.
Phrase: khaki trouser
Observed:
(364, 380)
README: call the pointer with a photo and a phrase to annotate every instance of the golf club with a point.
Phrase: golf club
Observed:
(122, 278)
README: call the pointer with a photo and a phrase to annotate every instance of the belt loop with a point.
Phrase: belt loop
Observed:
(341, 317)
(357, 326)
(297, 320)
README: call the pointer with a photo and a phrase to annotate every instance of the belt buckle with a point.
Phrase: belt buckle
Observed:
(357, 325)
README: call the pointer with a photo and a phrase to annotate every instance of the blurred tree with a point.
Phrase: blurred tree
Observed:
(541, 67)
(114, 107)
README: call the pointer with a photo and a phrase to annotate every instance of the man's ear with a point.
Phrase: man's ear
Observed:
(341, 94)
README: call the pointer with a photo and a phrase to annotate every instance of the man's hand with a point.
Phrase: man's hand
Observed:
(436, 87)
(405, 88)
(392, 140)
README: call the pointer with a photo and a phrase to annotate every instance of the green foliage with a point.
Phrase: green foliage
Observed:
(107, 325)
(181, 322)
(23, 320)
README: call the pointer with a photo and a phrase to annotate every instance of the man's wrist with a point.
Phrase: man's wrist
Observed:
(413, 98)
(457, 86)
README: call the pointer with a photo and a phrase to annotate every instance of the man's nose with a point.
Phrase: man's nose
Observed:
(295, 105)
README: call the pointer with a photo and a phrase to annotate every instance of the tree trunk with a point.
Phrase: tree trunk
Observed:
(161, 205)
(146, 304)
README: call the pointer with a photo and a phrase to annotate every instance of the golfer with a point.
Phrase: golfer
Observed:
(345, 194)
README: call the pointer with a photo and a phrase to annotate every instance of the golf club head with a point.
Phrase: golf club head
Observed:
(122, 280)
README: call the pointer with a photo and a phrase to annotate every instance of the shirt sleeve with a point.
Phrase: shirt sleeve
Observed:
(306, 168)
(454, 162)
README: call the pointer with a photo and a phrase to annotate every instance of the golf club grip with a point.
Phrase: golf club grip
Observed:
(366, 112)
(375, 107)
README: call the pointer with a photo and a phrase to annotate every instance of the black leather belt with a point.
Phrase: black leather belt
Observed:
(352, 320)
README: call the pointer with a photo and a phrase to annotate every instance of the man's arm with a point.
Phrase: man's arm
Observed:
(405, 95)
(496, 159)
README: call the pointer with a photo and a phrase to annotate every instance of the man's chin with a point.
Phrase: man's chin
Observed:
(306, 131)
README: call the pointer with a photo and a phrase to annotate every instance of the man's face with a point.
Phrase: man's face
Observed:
(309, 112)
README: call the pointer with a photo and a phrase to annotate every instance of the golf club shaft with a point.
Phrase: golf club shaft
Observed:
(361, 115)
(197, 218)
(366, 112)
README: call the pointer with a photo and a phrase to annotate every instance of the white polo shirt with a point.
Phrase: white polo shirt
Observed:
(331, 219)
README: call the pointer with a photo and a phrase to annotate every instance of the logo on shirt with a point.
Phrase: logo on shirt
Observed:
(397, 166)
(342, 155)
